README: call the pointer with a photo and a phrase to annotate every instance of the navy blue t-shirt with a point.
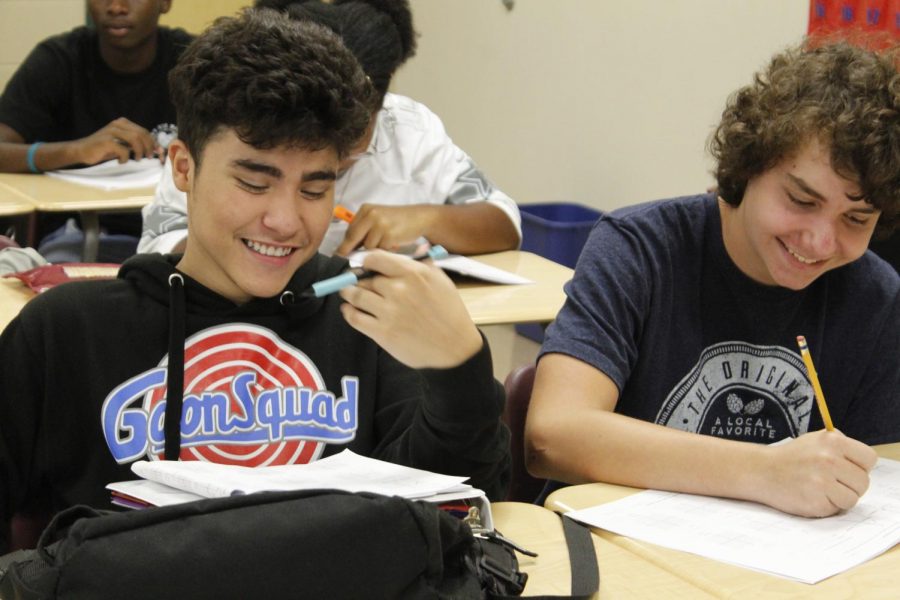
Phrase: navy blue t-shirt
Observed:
(692, 343)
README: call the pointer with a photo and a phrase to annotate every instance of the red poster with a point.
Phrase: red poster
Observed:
(892, 18)
(871, 15)
(852, 17)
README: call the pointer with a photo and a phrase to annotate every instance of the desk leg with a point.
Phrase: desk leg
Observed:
(31, 229)
(90, 224)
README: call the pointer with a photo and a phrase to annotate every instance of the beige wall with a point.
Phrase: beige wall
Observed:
(24, 23)
(601, 102)
(195, 15)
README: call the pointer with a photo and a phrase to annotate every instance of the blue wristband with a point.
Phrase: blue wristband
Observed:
(30, 157)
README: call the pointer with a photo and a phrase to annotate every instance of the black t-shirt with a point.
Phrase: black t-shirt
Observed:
(65, 91)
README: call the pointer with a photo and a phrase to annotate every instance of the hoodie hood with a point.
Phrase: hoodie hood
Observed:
(156, 276)
(151, 273)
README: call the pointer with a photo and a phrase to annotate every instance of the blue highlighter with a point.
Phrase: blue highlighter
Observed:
(351, 277)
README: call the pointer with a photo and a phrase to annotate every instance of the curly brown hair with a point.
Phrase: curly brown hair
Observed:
(274, 81)
(844, 96)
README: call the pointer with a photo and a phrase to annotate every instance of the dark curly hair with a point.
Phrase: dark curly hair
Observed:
(379, 33)
(275, 81)
(842, 95)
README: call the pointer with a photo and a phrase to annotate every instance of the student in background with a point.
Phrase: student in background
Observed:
(682, 316)
(93, 94)
(405, 178)
(218, 354)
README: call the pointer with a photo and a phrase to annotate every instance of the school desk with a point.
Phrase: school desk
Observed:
(622, 574)
(12, 205)
(876, 578)
(49, 194)
(538, 302)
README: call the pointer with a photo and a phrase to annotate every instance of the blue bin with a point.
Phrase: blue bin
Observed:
(556, 231)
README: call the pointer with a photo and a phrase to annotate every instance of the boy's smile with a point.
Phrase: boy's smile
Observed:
(254, 216)
(797, 221)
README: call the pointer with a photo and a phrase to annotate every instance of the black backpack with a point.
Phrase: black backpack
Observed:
(301, 544)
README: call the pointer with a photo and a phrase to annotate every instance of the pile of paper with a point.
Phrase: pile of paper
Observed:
(112, 175)
(758, 537)
(172, 482)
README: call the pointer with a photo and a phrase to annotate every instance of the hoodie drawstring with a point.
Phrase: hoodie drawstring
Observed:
(175, 368)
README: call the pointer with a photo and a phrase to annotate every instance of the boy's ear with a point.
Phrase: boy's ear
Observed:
(182, 165)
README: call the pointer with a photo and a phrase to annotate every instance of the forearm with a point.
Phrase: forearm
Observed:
(475, 228)
(46, 157)
(605, 446)
(463, 411)
(576, 436)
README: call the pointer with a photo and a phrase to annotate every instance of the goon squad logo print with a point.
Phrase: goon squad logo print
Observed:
(742, 392)
(249, 399)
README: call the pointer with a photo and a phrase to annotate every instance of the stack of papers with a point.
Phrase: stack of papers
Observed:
(112, 175)
(758, 537)
(172, 482)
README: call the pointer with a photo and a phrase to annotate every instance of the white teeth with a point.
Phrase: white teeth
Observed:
(268, 250)
(803, 259)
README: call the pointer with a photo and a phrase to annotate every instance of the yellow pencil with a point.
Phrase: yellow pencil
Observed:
(811, 370)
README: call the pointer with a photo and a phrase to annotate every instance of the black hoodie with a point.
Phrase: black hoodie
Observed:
(276, 380)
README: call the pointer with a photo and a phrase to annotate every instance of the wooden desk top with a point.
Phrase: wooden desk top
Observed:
(876, 578)
(11, 203)
(49, 194)
(494, 304)
(540, 530)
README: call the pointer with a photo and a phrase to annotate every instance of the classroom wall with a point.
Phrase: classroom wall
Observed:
(24, 23)
(196, 15)
(601, 102)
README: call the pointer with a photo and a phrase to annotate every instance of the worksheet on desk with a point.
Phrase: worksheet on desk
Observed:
(755, 536)
(113, 175)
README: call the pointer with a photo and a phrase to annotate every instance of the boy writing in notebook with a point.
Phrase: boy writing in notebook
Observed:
(392, 368)
(683, 315)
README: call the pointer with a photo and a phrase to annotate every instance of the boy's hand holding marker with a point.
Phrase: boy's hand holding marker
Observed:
(412, 310)
(355, 274)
